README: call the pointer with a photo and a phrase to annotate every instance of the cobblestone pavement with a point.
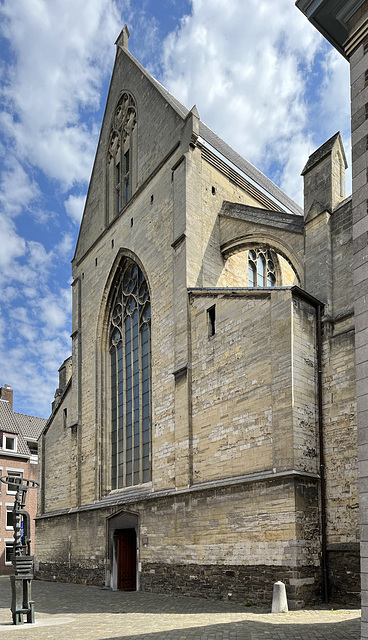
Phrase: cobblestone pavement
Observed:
(78, 612)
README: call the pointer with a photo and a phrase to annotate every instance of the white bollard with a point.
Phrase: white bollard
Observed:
(279, 599)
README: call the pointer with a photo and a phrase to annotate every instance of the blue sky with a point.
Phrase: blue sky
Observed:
(261, 76)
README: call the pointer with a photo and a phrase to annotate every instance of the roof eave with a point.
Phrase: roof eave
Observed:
(330, 18)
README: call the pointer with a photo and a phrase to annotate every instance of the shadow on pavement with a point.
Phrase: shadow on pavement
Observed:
(161, 622)
(62, 598)
(343, 630)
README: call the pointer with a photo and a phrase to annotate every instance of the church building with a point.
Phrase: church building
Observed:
(203, 437)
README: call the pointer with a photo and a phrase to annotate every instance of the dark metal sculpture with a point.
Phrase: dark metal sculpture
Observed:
(21, 581)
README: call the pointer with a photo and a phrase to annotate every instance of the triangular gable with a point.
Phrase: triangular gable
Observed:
(160, 121)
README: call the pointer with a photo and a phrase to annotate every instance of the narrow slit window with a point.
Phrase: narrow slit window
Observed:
(118, 179)
(127, 175)
(211, 321)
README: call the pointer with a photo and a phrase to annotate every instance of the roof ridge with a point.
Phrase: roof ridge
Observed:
(28, 415)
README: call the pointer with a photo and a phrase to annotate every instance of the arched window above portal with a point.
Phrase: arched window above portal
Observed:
(257, 266)
(261, 268)
(122, 155)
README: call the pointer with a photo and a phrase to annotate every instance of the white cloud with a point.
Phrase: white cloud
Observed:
(74, 207)
(12, 247)
(38, 259)
(61, 55)
(247, 75)
(54, 313)
(17, 189)
(335, 102)
(62, 51)
(335, 97)
(64, 248)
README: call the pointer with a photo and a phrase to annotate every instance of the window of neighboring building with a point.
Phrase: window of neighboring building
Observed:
(130, 380)
(8, 551)
(33, 447)
(261, 268)
(12, 488)
(9, 516)
(9, 442)
(122, 155)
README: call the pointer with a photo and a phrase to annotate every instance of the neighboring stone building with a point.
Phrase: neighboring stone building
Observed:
(205, 442)
(19, 435)
(345, 25)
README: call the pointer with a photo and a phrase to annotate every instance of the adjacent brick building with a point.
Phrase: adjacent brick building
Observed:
(19, 435)
(203, 436)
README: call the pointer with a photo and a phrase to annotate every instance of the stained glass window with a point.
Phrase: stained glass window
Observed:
(261, 268)
(130, 381)
(122, 155)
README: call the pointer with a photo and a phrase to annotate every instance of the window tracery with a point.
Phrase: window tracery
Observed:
(122, 154)
(130, 380)
(261, 268)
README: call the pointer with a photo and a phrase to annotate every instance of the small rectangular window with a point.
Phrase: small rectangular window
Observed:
(8, 551)
(126, 189)
(9, 517)
(211, 321)
(17, 475)
(127, 161)
(33, 447)
(9, 442)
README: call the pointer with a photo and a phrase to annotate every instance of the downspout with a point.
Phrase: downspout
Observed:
(321, 458)
(318, 305)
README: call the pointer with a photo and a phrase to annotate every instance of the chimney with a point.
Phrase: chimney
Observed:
(6, 393)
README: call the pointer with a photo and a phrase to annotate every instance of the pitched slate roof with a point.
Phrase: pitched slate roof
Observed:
(224, 149)
(30, 426)
(21, 425)
(9, 424)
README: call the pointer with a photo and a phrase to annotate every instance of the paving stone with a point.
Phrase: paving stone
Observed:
(78, 612)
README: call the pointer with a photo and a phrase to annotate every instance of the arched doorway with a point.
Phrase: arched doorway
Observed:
(123, 552)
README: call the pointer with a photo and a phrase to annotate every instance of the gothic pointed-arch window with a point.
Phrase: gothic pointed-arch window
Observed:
(122, 155)
(261, 268)
(129, 347)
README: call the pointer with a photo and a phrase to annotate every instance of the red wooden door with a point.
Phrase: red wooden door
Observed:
(127, 560)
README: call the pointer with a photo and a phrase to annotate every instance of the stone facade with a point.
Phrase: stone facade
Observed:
(346, 27)
(252, 440)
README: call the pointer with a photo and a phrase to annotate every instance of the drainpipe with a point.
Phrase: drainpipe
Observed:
(321, 458)
(318, 305)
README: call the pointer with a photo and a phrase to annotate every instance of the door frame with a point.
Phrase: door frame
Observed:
(115, 523)
(120, 534)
